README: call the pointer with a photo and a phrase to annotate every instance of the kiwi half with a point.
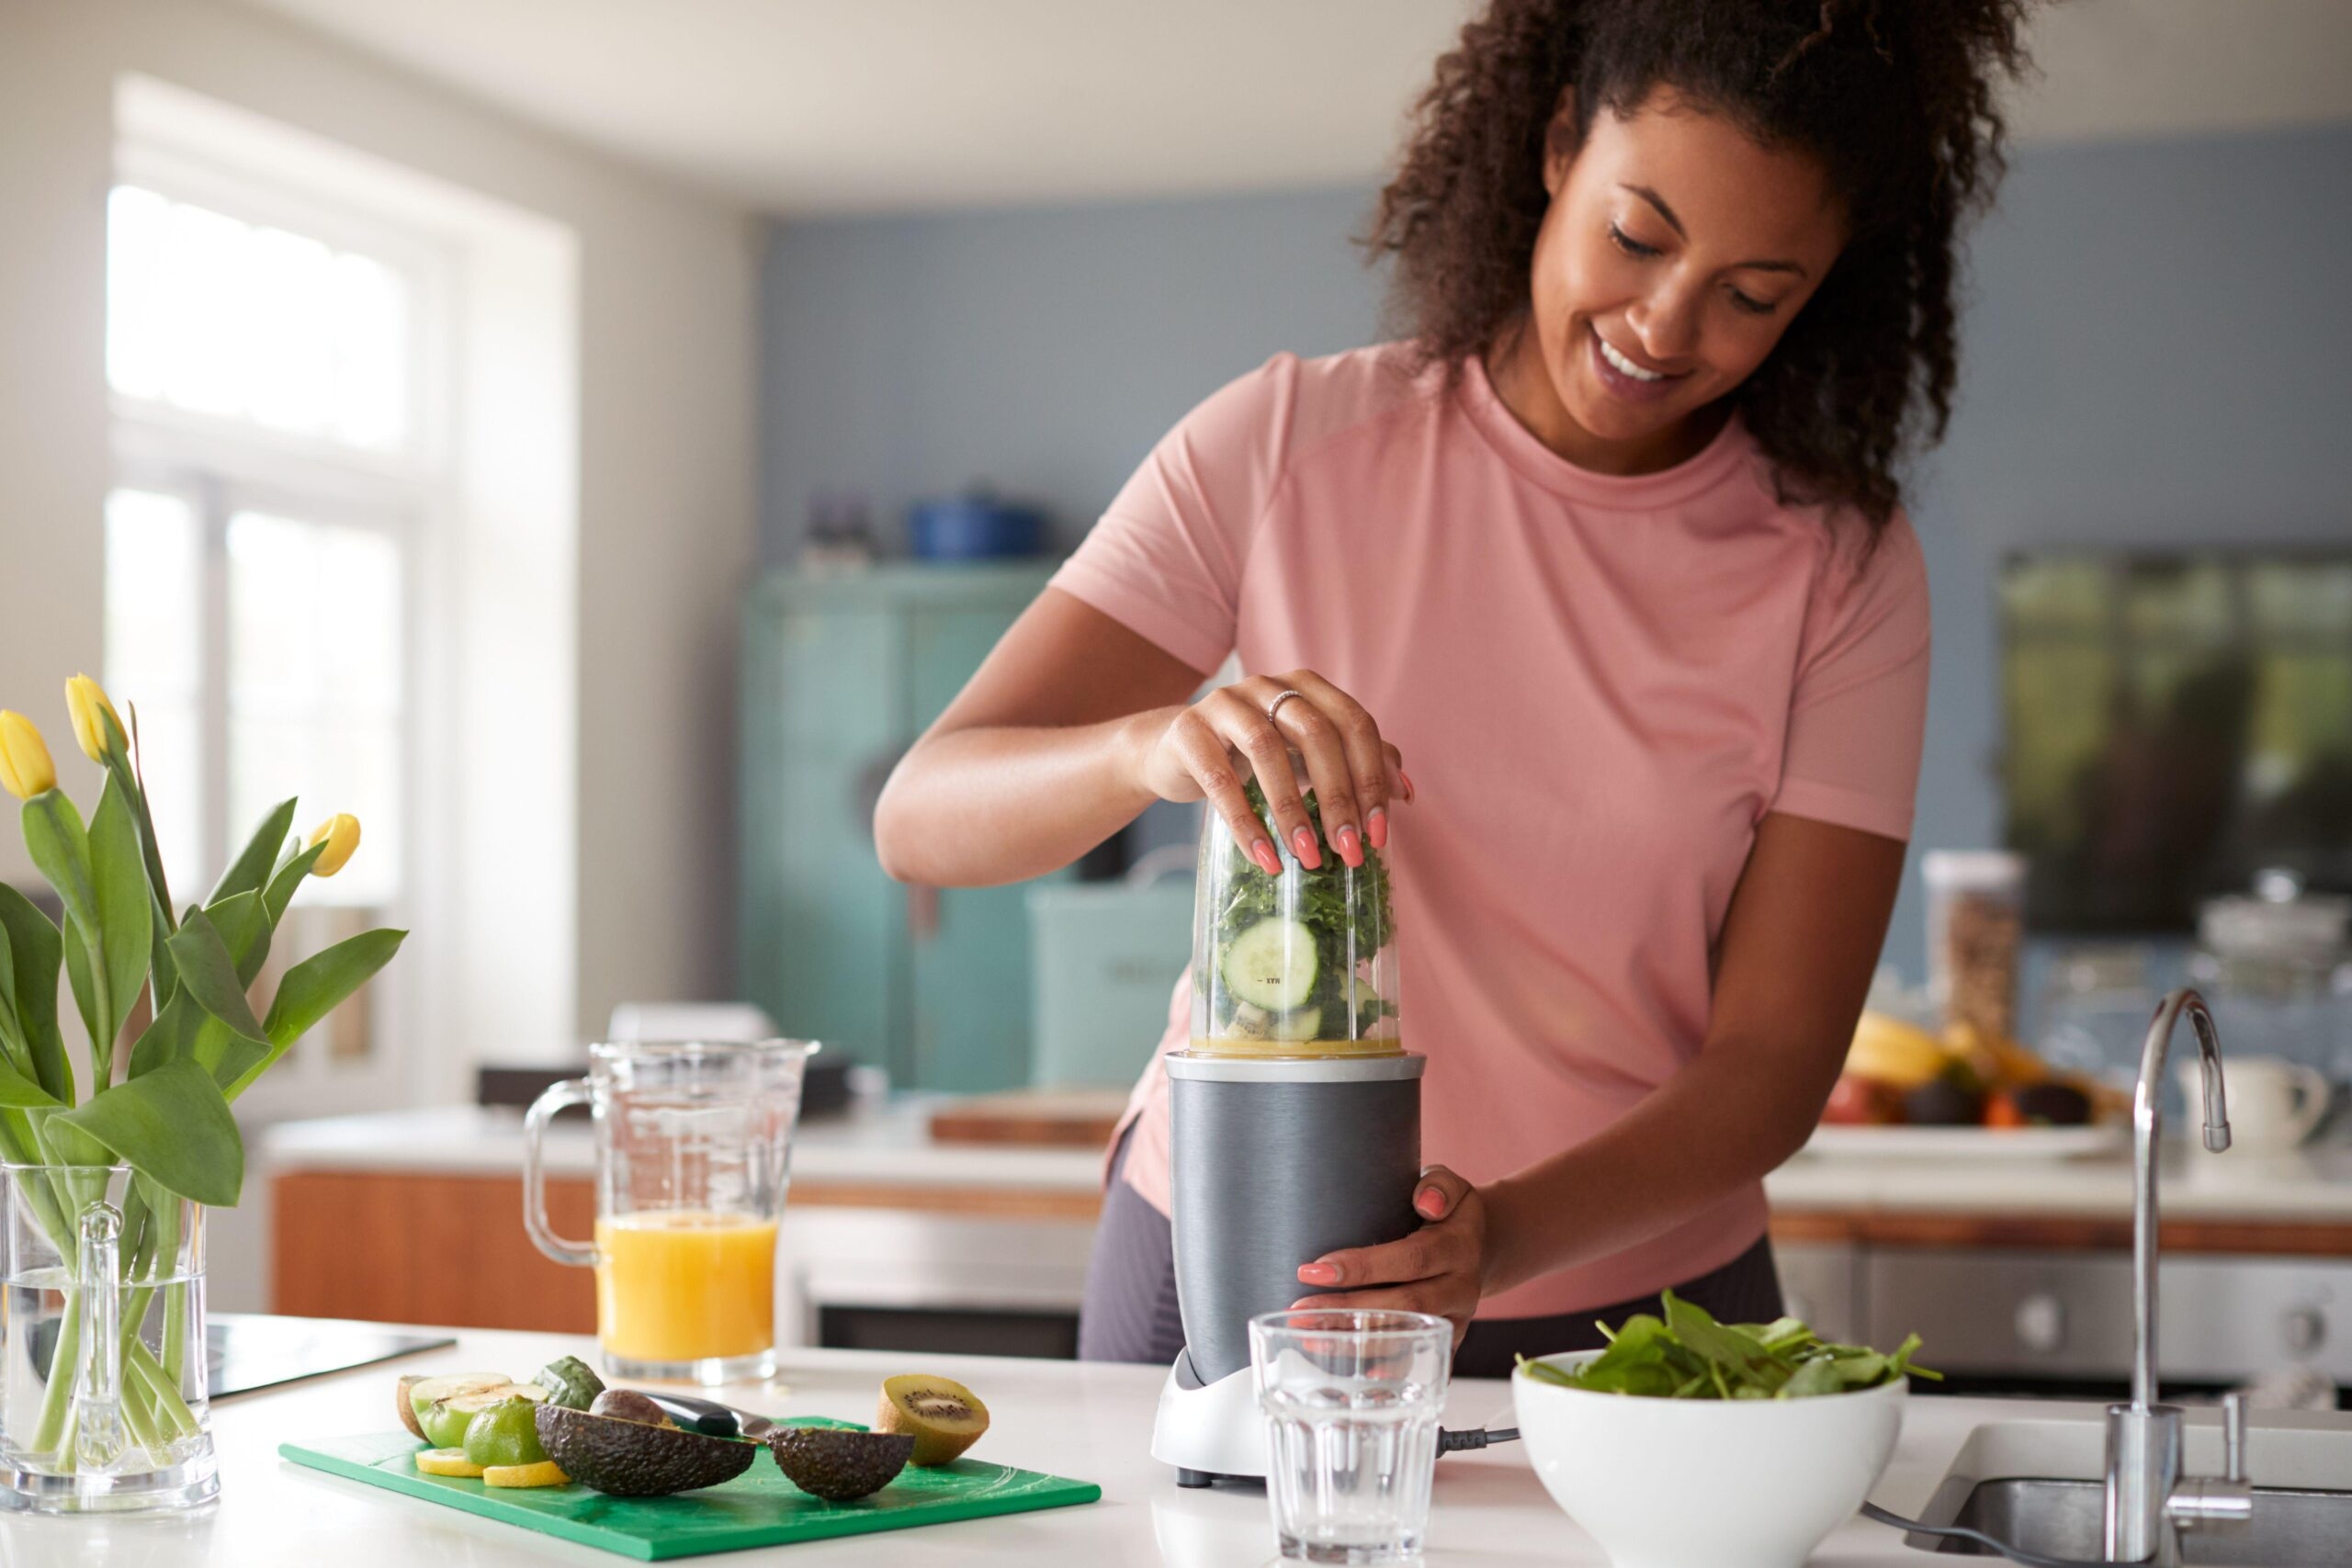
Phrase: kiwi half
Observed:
(940, 1414)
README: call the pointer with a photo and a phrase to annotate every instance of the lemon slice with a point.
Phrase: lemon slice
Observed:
(446, 1461)
(547, 1472)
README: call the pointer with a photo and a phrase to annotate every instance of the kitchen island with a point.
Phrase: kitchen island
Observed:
(1089, 1422)
(2018, 1267)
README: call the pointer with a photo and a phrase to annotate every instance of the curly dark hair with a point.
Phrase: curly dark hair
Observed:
(1894, 98)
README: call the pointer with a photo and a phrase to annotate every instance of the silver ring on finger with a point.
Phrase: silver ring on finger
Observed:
(1275, 707)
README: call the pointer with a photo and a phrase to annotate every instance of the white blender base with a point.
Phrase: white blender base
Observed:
(1208, 1430)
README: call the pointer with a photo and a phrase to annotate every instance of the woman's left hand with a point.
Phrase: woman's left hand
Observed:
(1440, 1269)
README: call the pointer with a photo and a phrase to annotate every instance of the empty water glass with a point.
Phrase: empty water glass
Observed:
(1351, 1401)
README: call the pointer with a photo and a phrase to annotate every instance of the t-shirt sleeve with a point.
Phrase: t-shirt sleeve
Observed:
(1165, 559)
(1859, 713)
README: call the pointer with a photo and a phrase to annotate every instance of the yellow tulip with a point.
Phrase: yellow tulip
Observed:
(340, 833)
(86, 700)
(25, 770)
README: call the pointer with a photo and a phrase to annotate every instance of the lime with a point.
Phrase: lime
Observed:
(505, 1434)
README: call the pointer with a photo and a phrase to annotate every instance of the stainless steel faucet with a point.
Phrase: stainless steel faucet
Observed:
(2148, 1499)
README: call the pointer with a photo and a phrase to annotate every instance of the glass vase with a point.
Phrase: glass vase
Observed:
(103, 1378)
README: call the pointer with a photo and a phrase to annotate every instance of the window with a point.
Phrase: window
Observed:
(275, 491)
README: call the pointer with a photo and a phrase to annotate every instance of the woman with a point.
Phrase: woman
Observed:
(1610, 551)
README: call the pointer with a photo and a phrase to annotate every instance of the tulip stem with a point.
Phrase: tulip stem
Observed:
(136, 782)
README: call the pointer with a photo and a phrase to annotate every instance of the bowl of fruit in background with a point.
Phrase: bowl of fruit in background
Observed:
(1911, 1092)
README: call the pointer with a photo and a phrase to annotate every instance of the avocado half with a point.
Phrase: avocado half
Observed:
(837, 1465)
(629, 1459)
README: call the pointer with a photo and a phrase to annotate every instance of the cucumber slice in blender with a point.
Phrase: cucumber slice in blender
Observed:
(1272, 964)
(1299, 1023)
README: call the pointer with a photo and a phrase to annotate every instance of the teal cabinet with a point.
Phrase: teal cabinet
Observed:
(840, 673)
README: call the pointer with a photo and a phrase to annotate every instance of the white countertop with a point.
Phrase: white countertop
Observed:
(1090, 1422)
(887, 1145)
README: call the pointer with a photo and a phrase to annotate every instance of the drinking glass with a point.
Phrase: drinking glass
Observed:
(1351, 1401)
(103, 1392)
(694, 1145)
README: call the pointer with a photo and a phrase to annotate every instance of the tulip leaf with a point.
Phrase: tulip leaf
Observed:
(10, 1029)
(172, 1125)
(36, 950)
(69, 1145)
(315, 987)
(20, 1091)
(287, 878)
(125, 908)
(60, 848)
(162, 974)
(208, 976)
(244, 931)
(184, 1029)
(251, 869)
(80, 981)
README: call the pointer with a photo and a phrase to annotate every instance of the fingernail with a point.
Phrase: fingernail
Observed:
(1263, 851)
(1303, 842)
(1409, 784)
(1375, 826)
(1351, 849)
(1317, 1274)
(1429, 1201)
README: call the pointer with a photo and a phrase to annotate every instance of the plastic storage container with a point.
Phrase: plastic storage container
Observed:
(1976, 937)
(1300, 965)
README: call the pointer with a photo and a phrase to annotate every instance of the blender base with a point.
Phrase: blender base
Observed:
(1209, 1432)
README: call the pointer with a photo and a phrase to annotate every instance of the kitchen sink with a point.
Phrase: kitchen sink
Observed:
(2290, 1527)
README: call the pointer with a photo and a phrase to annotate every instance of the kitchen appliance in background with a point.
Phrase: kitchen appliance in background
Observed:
(1295, 1123)
(1106, 955)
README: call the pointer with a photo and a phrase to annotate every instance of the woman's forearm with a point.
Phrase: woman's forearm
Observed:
(976, 807)
(1727, 1119)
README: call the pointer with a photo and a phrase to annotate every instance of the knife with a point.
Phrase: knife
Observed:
(708, 1416)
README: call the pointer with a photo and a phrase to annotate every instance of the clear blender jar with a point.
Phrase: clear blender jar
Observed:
(1302, 964)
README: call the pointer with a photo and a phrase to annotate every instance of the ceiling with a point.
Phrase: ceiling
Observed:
(809, 107)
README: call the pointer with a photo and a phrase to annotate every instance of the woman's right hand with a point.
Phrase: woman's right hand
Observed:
(1190, 753)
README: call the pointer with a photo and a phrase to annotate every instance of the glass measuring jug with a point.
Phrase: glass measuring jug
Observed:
(693, 1151)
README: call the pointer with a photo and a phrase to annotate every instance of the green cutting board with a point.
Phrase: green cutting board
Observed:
(759, 1507)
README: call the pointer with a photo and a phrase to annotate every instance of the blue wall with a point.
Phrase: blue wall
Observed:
(2159, 350)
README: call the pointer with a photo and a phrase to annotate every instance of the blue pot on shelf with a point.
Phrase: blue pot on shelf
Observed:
(973, 527)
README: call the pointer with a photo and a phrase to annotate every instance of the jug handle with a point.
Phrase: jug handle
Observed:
(97, 1396)
(556, 1097)
(2314, 1094)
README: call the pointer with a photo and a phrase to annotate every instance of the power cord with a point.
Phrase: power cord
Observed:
(1962, 1532)
(1478, 1438)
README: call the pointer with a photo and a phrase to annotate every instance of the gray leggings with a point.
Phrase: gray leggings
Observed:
(1130, 1311)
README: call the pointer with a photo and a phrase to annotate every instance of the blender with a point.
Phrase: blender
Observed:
(1295, 1122)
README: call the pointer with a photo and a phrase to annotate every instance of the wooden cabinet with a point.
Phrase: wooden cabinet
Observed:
(408, 1248)
(840, 675)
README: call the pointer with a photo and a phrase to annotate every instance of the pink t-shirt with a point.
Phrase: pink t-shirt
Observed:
(1599, 684)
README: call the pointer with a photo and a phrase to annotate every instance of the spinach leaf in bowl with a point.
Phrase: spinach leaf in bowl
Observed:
(1688, 1355)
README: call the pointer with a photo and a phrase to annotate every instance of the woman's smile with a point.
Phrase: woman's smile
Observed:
(1623, 376)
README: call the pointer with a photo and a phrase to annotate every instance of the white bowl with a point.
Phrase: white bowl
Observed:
(1706, 1483)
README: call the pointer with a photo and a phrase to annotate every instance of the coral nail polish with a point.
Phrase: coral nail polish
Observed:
(1263, 851)
(1409, 784)
(1375, 828)
(1302, 841)
(1350, 848)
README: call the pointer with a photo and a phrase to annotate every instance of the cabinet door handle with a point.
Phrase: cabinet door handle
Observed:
(923, 911)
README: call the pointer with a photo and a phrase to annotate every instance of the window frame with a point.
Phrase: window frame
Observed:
(222, 465)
